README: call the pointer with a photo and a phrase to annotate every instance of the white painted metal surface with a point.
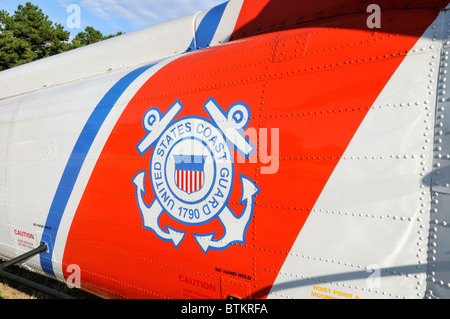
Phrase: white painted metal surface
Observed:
(382, 185)
(41, 133)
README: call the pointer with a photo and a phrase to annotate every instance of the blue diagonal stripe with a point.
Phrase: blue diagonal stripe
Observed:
(208, 27)
(76, 161)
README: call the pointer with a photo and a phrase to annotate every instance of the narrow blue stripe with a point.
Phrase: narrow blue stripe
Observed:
(191, 163)
(208, 27)
(76, 161)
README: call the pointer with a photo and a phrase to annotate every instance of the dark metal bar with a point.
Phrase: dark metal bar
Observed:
(37, 251)
(48, 291)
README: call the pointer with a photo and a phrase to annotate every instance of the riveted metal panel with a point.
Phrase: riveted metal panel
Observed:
(438, 276)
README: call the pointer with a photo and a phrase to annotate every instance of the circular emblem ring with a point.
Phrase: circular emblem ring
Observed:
(192, 171)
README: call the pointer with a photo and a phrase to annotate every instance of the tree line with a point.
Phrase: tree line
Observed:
(28, 35)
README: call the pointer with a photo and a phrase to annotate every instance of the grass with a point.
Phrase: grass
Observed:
(8, 292)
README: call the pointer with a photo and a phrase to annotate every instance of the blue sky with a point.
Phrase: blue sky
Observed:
(112, 16)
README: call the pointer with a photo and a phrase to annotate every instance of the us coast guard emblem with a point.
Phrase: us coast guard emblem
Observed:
(192, 173)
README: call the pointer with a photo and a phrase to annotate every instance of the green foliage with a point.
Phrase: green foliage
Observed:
(28, 35)
(89, 36)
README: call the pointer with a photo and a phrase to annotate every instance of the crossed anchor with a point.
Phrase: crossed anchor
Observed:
(232, 124)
